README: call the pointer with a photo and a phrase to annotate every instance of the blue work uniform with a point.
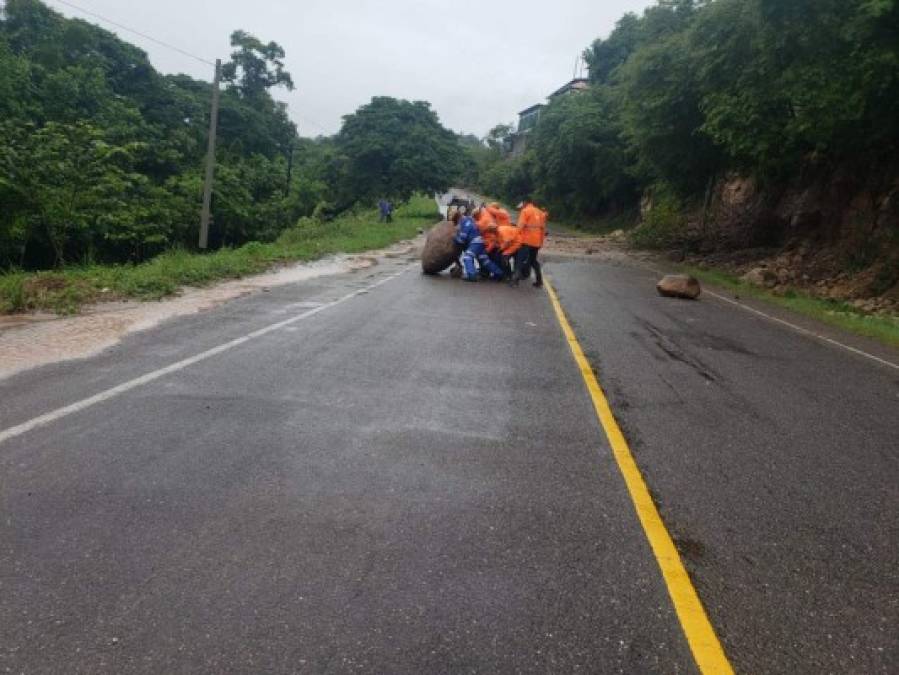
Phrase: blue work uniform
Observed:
(468, 236)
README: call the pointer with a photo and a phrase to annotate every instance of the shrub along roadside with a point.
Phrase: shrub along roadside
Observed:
(664, 224)
(882, 328)
(65, 291)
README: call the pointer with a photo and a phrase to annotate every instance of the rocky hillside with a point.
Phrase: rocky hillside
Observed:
(834, 234)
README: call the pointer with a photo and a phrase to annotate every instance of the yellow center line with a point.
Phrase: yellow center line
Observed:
(701, 637)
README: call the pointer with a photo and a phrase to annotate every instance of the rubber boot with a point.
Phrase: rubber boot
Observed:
(471, 270)
(538, 272)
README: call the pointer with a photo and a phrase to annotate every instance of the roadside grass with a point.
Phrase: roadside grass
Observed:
(840, 314)
(65, 291)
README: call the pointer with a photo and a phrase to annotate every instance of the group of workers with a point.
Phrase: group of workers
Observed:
(494, 247)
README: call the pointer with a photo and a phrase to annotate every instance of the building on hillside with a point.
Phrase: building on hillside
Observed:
(577, 85)
(527, 118)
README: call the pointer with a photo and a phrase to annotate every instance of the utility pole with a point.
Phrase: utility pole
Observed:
(289, 168)
(210, 158)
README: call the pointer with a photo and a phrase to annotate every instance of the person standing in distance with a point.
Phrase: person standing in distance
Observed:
(385, 209)
(532, 228)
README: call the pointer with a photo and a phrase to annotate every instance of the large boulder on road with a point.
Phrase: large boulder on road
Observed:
(679, 286)
(440, 251)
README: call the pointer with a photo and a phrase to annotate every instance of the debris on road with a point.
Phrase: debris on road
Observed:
(597, 248)
(679, 286)
(440, 251)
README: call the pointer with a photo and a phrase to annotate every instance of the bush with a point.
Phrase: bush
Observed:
(66, 290)
(663, 224)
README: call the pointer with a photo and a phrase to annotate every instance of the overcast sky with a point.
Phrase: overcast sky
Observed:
(477, 61)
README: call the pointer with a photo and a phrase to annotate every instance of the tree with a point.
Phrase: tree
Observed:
(583, 158)
(101, 156)
(15, 75)
(663, 119)
(255, 67)
(783, 79)
(395, 148)
(66, 185)
(604, 57)
(499, 138)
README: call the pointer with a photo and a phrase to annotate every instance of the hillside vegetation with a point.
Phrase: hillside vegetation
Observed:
(66, 290)
(101, 156)
(731, 124)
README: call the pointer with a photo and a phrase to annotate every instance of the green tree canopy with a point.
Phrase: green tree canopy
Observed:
(692, 89)
(395, 148)
(255, 67)
(101, 157)
(581, 160)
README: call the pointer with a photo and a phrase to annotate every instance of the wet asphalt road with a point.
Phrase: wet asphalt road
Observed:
(414, 480)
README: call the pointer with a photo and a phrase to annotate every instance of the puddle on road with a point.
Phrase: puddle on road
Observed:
(31, 340)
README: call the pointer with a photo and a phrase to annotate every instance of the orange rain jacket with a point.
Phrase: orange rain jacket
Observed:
(509, 239)
(532, 223)
(488, 230)
(499, 214)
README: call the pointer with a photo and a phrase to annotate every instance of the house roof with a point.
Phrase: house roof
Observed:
(577, 83)
(532, 108)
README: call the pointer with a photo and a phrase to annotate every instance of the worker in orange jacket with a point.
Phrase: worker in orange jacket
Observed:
(489, 231)
(509, 242)
(532, 225)
(500, 215)
(488, 227)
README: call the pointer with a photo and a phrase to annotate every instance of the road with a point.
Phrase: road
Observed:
(390, 473)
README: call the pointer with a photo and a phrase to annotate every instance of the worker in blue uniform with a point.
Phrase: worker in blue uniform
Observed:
(468, 236)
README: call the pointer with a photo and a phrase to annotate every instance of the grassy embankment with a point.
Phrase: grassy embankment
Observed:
(66, 290)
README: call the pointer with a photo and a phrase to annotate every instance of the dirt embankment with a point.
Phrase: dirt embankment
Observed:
(833, 234)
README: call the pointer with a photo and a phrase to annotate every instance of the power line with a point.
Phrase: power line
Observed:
(136, 32)
(162, 43)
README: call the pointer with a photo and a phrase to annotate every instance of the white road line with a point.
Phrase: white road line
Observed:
(805, 331)
(798, 329)
(59, 413)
